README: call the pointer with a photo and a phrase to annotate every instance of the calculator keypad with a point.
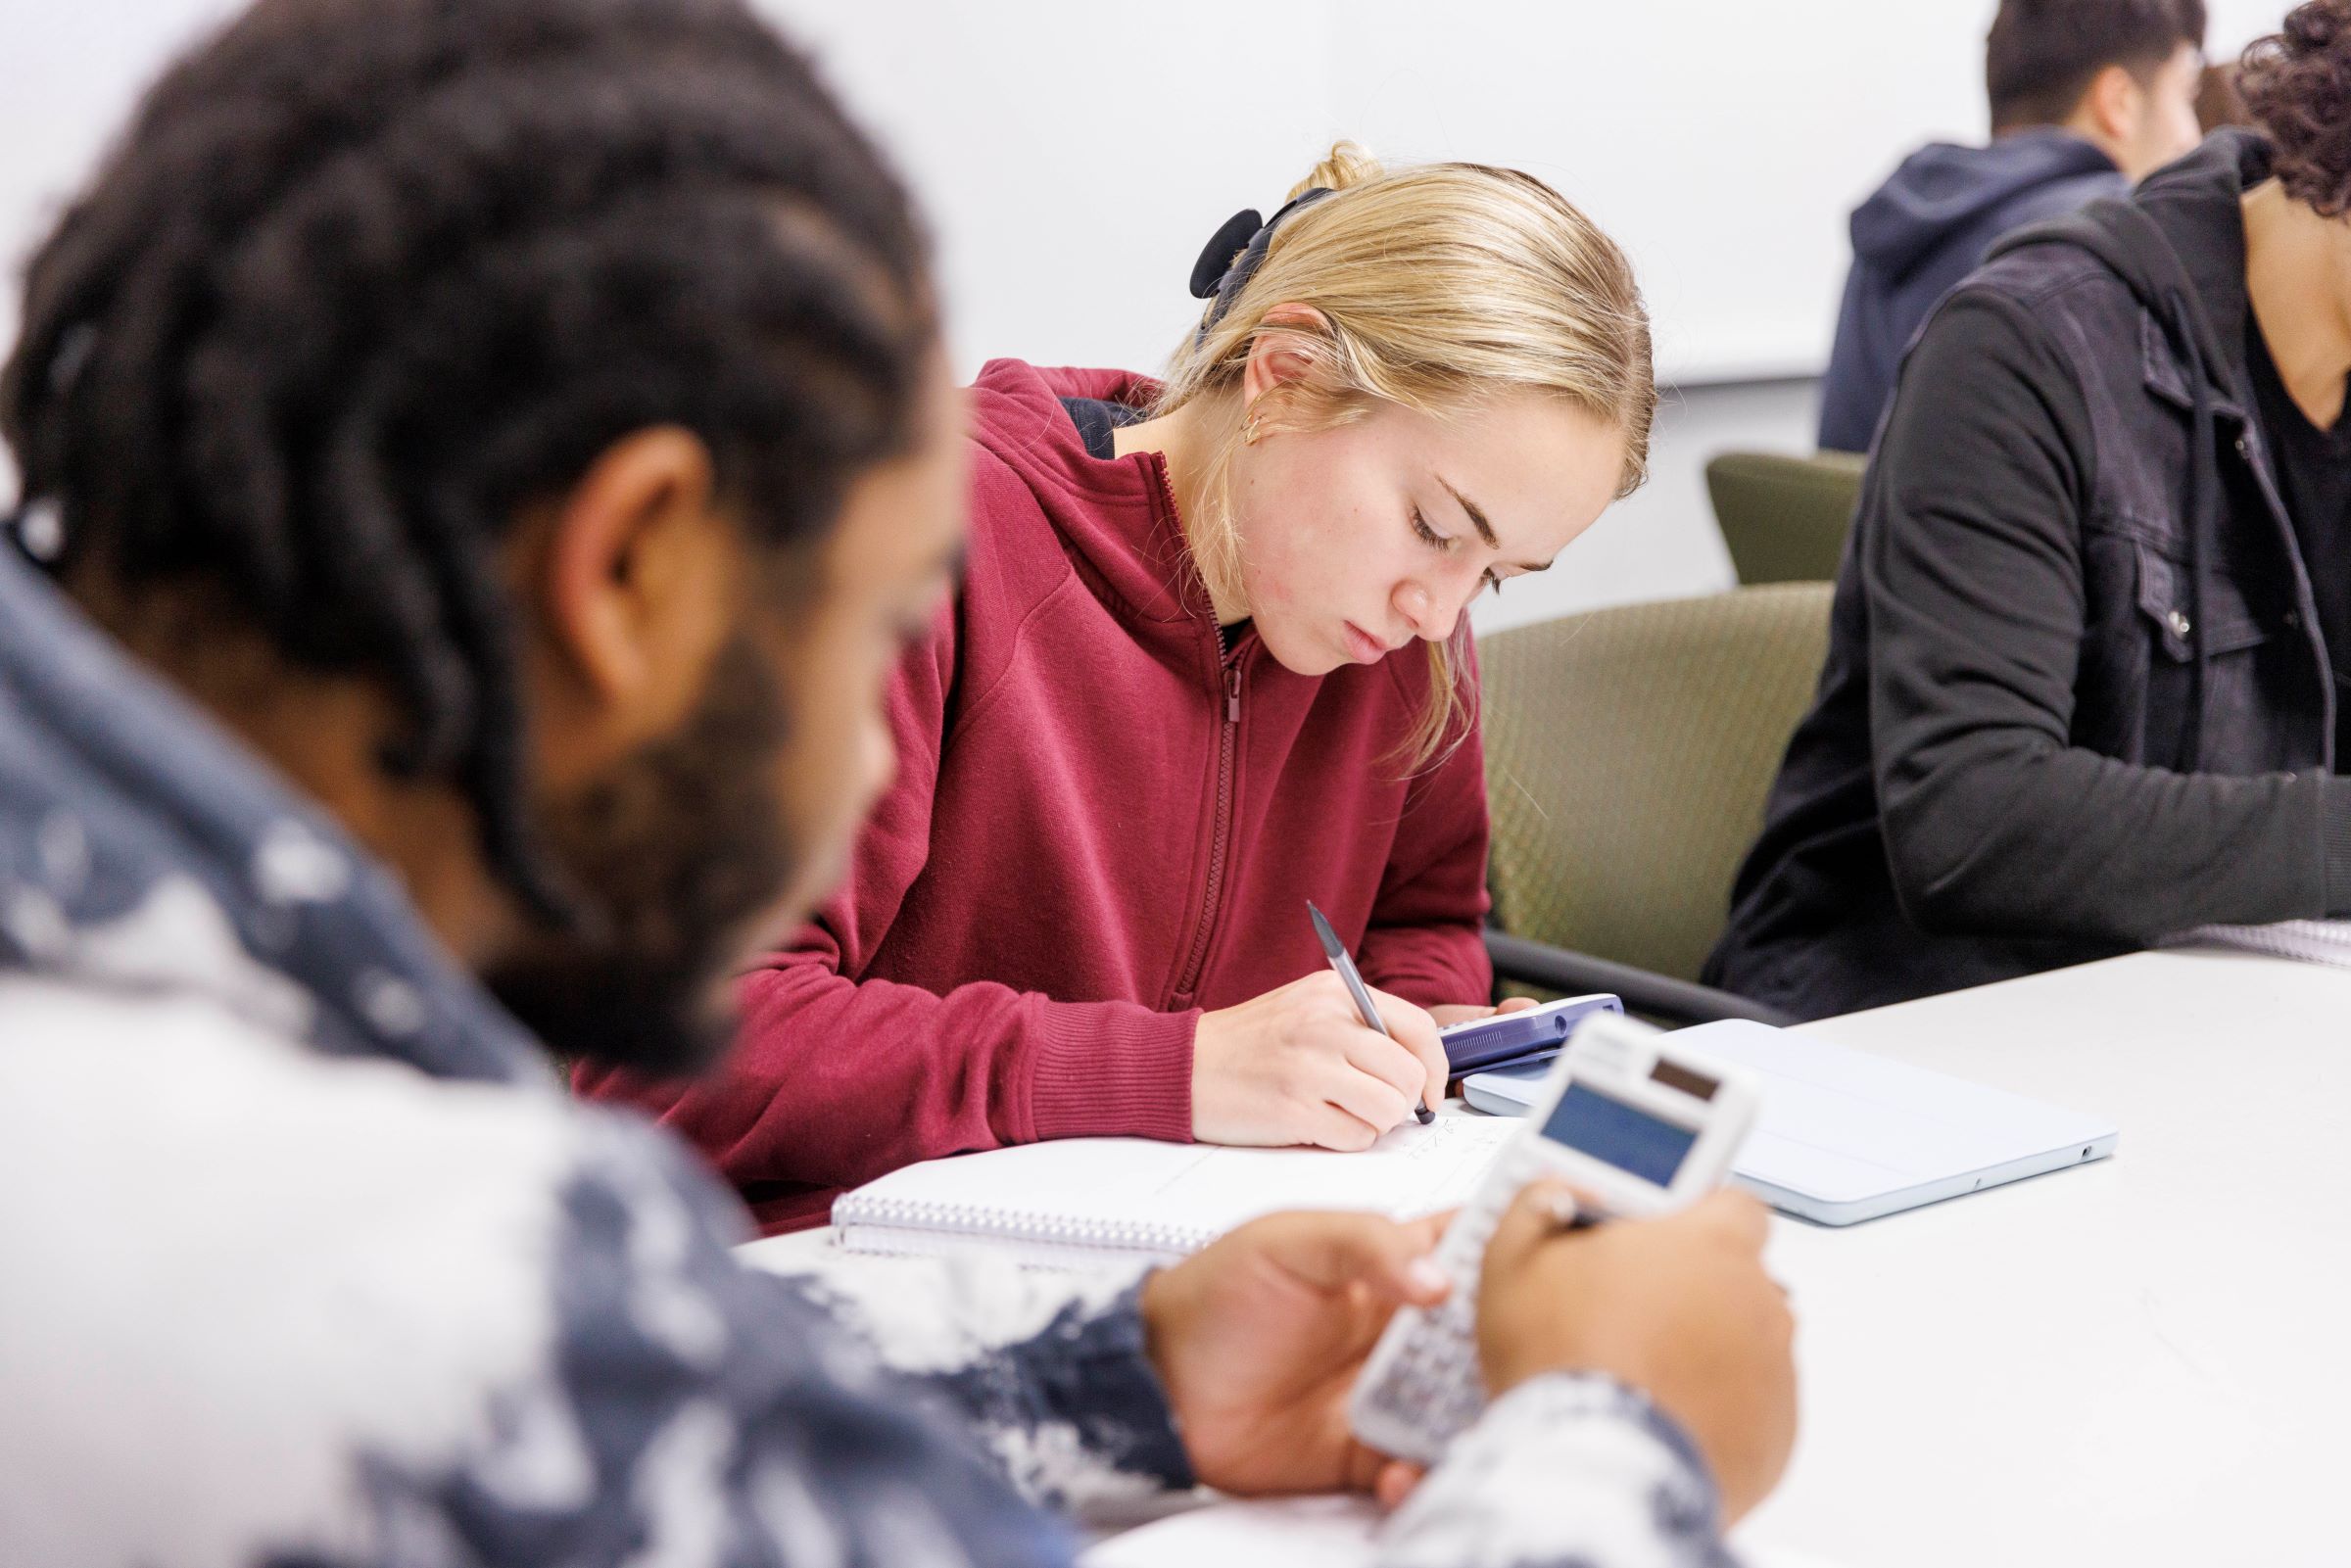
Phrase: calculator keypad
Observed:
(1422, 1386)
(1432, 1382)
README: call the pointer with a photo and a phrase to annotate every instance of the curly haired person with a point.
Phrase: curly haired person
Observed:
(2093, 638)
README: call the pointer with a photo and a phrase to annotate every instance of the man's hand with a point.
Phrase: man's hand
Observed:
(1300, 1066)
(1258, 1339)
(1678, 1307)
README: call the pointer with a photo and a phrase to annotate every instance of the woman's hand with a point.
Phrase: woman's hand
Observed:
(1299, 1065)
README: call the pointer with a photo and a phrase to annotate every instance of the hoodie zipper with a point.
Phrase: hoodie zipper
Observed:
(1228, 737)
(1228, 747)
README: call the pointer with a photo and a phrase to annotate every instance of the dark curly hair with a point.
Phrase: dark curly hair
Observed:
(2040, 55)
(2296, 84)
(367, 277)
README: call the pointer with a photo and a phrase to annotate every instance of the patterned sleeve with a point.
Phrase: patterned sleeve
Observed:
(1567, 1471)
(931, 1410)
(726, 1415)
(1048, 1370)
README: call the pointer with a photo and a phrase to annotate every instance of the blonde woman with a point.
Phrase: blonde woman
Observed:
(1209, 660)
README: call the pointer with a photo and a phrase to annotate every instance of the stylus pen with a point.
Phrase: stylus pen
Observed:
(1336, 951)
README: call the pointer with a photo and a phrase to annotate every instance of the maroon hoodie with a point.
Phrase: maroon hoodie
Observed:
(1102, 825)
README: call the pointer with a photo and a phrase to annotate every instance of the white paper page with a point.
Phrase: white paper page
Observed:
(1412, 1170)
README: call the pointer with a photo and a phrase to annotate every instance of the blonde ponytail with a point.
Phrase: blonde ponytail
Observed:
(1438, 286)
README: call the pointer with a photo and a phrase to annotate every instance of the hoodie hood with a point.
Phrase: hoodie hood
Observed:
(1117, 517)
(1941, 190)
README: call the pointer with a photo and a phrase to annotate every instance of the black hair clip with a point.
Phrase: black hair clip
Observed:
(1234, 253)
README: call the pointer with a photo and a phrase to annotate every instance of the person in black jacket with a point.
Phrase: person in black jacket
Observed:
(2084, 678)
(2086, 96)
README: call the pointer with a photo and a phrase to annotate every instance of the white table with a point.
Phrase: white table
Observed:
(2137, 1362)
(2141, 1361)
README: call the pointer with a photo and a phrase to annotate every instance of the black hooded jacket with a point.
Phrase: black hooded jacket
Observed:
(2078, 694)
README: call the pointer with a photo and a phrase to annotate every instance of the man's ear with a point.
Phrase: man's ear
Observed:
(2113, 106)
(1277, 357)
(628, 584)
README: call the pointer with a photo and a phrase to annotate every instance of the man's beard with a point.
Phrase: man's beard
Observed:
(676, 849)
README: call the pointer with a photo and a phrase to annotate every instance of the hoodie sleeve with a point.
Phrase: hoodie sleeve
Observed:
(1973, 578)
(1424, 940)
(834, 1081)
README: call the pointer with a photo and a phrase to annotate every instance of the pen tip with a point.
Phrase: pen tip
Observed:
(1426, 1115)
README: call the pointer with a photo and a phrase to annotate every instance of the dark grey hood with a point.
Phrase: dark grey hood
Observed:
(1941, 190)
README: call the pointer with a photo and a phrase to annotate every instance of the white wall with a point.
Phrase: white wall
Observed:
(74, 72)
(1073, 155)
(1077, 154)
(1076, 174)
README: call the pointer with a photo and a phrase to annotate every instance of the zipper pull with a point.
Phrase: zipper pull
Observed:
(1232, 694)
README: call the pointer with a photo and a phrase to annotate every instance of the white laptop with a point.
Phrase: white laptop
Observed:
(1847, 1136)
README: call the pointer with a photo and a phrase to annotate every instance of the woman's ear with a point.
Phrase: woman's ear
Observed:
(1289, 347)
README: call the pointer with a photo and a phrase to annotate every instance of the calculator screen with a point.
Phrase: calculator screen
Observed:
(1609, 1130)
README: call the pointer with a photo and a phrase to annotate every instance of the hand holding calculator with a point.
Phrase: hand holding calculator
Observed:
(1637, 1126)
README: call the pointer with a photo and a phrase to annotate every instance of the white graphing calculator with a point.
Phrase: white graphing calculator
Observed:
(1636, 1124)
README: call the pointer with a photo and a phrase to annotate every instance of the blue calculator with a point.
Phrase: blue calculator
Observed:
(1530, 1034)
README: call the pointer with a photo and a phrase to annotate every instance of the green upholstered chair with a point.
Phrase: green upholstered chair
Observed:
(1628, 753)
(1785, 518)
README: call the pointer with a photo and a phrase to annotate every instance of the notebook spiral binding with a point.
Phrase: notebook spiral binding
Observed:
(2309, 941)
(1003, 1224)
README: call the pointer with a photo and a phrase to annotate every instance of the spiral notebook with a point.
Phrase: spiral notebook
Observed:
(2307, 941)
(1083, 1202)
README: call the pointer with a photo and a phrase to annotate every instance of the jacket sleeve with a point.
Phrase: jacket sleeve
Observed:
(1049, 1371)
(1971, 576)
(702, 1411)
(902, 1410)
(1563, 1472)
(836, 1079)
(1424, 940)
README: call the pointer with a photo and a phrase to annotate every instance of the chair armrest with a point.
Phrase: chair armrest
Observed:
(1658, 996)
